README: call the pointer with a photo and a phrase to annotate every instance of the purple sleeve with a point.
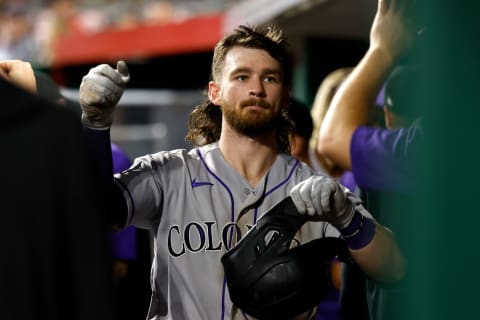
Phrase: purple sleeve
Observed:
(120, 160)
(124, 242)
(100, 154)
(348, 180)
(384, 160)
(100, 151)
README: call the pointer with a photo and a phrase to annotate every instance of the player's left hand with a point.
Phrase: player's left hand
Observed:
(323, 199)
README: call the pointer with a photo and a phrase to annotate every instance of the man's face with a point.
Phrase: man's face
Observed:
(250, 91)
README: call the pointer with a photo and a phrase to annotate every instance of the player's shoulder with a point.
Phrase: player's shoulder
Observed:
(164, 158)
(205, 153)
(177, 156)
(379, 136)
(292, 166)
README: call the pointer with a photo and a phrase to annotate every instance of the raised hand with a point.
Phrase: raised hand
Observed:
(100, 92)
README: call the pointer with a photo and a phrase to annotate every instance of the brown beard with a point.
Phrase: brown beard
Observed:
(251, 122)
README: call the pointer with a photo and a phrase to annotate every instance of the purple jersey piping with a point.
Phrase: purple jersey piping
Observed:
(232, 217)
(124, 187)
(232, 213)
(255, 216)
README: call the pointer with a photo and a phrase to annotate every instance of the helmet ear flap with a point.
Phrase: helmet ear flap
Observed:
(268, 279)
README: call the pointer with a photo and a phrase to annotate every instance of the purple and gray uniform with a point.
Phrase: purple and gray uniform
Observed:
(194, 202)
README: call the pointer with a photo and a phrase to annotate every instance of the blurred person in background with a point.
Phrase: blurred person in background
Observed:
(325, 92)
(384, 161)
(323, 98)
(129, 261)
(303, 128)
(16, 41)
(58, 18)
(56, 262)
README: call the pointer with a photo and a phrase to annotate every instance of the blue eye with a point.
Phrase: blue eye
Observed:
(270, 79)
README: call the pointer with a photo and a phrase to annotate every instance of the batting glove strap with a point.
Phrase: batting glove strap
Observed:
(359, 233)
(97, 122)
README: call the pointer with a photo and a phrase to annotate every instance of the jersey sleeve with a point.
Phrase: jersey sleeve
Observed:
(385, 160)
(124, 241)
(142, 191)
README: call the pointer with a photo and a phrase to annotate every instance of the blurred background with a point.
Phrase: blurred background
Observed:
(168, 45)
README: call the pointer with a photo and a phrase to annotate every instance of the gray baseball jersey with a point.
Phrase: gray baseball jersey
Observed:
(198, 207)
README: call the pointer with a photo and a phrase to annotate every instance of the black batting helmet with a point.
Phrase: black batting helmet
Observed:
(267, 278)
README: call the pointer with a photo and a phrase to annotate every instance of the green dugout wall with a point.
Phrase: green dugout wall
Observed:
(447, 217)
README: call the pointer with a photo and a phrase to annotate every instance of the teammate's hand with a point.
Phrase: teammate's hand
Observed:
(100, 91)
(393, 30)
(323, 199)
(20, 73)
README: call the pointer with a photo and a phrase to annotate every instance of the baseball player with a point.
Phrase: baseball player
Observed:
(200, 202)
(381, 159)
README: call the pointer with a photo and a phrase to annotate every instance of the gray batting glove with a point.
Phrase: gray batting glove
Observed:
(100, 91)
(323, 199)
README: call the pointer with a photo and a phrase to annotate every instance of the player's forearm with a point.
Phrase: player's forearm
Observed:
(100, 154)
(381, 259)
(352, 106)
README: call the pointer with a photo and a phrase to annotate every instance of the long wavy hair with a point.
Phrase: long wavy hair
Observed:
(205, 121)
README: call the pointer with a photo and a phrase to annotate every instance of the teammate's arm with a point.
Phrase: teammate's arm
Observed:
(20, 73)
(372, 246)
(381, 259)
(391, 35)
(100, 92)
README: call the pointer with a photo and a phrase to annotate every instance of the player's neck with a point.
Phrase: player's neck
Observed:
(250, 157)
